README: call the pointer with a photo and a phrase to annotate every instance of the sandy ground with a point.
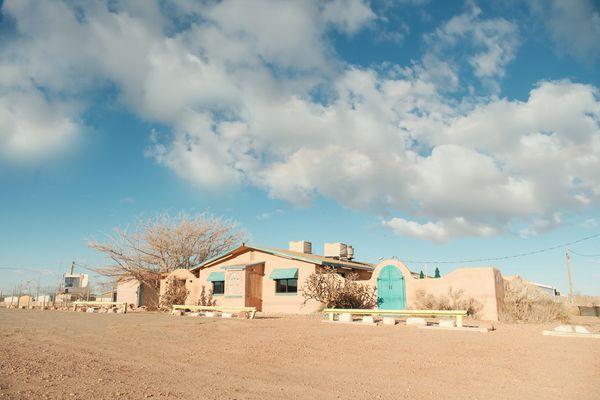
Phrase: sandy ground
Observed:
(65, 355)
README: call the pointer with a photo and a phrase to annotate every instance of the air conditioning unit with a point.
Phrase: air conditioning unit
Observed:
(350, 252)
(335, 250)
(301, 246)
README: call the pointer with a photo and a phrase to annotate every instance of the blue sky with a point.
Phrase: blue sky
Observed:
(422, 130)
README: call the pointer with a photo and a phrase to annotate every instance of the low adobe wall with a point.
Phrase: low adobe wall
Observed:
(484, 284)
(191, 284)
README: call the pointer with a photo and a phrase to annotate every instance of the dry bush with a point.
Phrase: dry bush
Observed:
(526, 303)
(334, 291)
(453, 300)
(175, 293)
(206, 298)
(587, 301)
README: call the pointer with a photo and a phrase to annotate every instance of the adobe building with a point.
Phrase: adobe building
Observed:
(271, 279)
(268, 278)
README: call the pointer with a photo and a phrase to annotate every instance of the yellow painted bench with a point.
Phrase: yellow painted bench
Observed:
(458, 314)
(251, 310)
(100, 304)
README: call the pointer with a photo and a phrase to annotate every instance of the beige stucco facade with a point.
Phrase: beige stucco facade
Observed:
(262, 264)
(248, 283)
(136, 294)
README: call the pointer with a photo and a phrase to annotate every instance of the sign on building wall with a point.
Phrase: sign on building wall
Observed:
(235, 283)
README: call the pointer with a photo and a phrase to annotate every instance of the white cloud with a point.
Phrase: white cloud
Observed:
(31, 126)
(268, 214)
(494, 43)
(348, 15)
(541, 225)
(439, 232)
(573, 25)
(247, 100)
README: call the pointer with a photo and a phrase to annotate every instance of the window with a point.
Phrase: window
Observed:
(286, 286)
(71, 281)
(218, 287)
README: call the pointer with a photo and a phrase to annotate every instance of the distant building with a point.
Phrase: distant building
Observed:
(548, 289)
(136, 293)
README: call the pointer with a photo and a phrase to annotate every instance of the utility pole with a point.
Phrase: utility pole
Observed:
(570, 276)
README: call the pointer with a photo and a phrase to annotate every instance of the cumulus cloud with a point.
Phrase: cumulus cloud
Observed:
(249, 101)
(573, 25)
(493, 44)
(31, 126)
(441, 231)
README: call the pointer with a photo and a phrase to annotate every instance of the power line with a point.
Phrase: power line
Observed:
(584, 255)
(529, 253)
(29, 269)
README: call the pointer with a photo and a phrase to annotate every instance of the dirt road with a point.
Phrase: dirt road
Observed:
(62, 355)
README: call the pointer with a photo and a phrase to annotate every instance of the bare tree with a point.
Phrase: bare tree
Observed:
(163, 244)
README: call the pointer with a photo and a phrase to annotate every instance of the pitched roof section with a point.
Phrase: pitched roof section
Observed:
(293, 255)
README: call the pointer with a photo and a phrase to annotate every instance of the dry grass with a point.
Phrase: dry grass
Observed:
(453, 300)
(526, 303)
(588, 301)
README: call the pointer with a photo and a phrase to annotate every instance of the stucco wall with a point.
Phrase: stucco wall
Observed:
(191, 284)
(483, 284)
(271, 302)
(128, 291)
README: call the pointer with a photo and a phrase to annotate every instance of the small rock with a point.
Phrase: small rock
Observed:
(389, 321)
(415, 321)
(581, 329)
(446, 323)
(345, 317)
(368, 319)
(564, 328)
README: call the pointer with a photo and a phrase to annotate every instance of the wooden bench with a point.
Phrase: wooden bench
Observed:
(251, 310)
(458, 314)
(100, 304)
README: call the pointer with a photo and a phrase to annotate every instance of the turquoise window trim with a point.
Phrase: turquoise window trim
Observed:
(216, 276)
(218, 295)
(233, 296)
(284, 273)
(286, 294)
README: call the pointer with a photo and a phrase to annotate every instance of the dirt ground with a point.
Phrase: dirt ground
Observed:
(66, 355)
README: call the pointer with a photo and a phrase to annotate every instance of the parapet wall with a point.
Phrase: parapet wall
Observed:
(484, 284)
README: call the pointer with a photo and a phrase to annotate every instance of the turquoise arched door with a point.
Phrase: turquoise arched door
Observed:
(391, 290)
